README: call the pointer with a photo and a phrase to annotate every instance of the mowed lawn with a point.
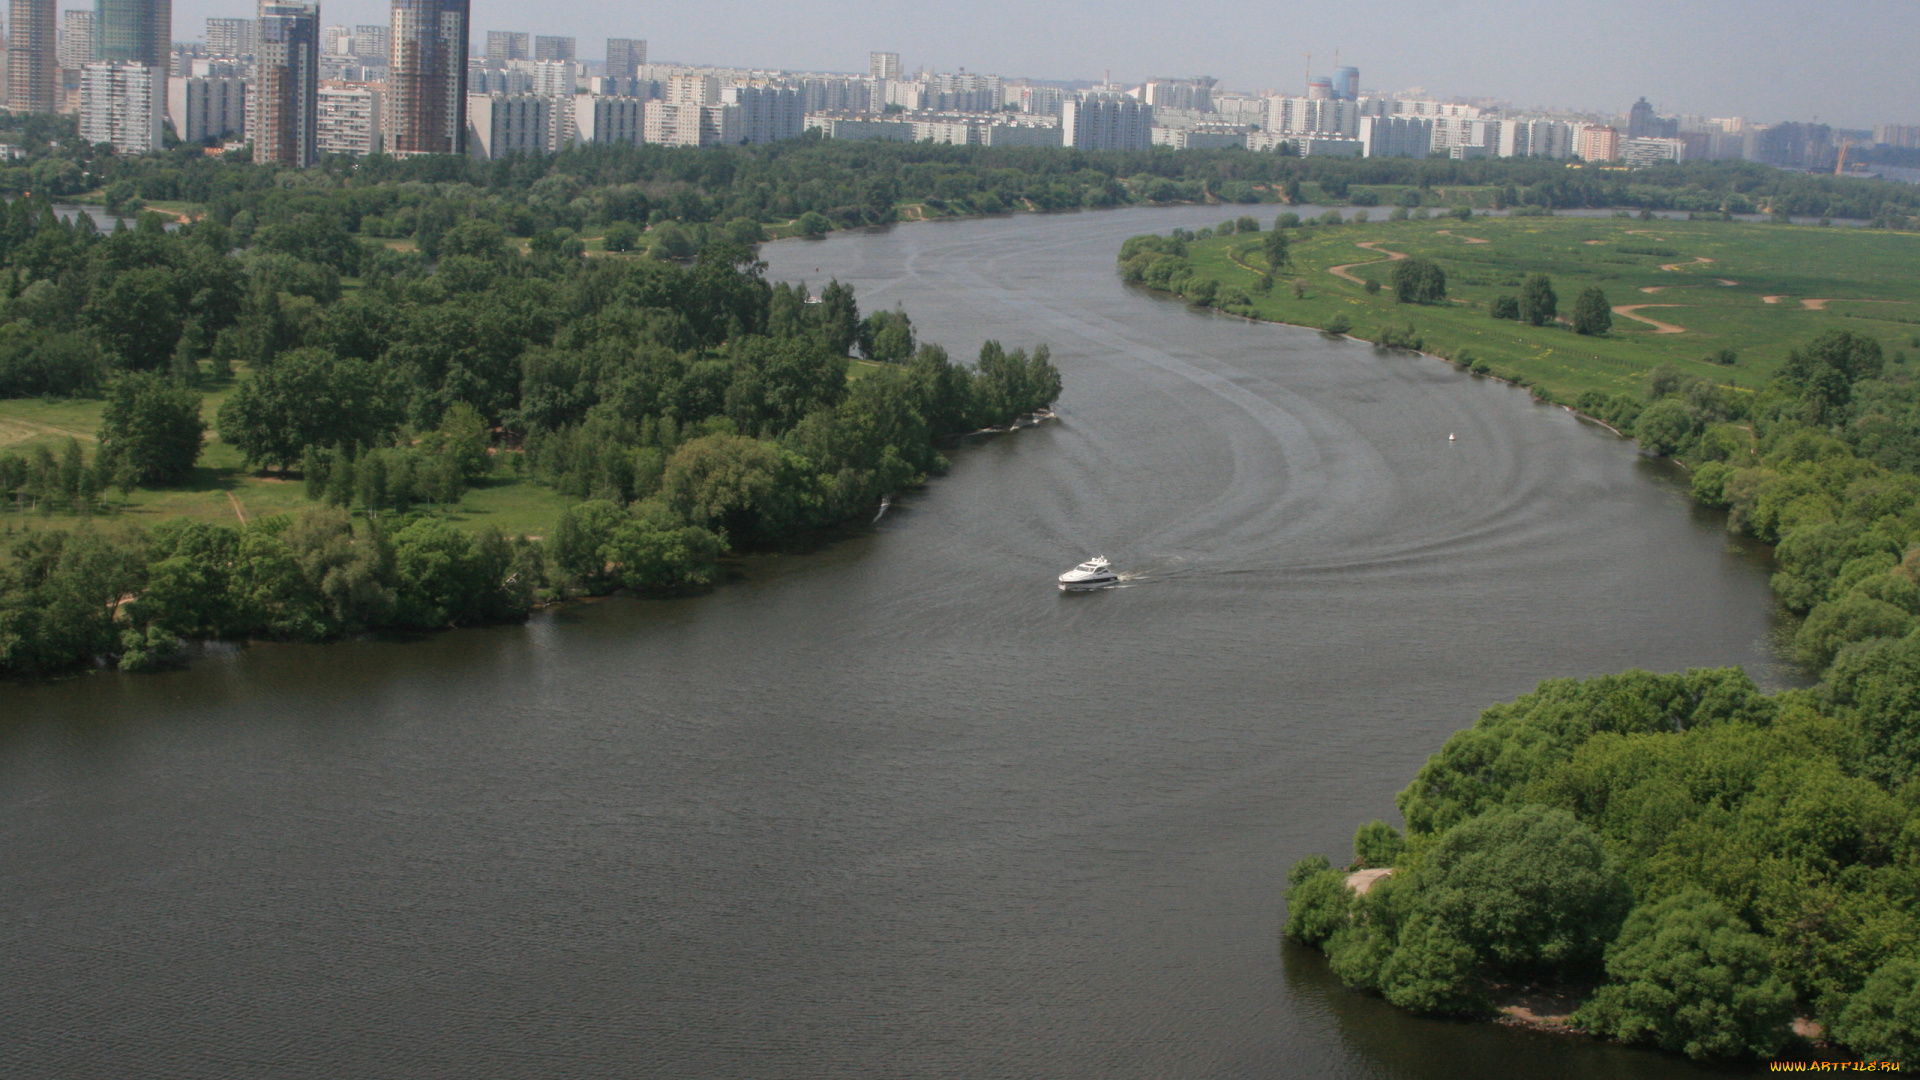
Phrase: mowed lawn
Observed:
(1758, 289)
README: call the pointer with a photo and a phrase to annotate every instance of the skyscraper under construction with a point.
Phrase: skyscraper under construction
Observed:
(427, 79)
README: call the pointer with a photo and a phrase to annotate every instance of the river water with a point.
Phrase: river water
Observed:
(888, 805)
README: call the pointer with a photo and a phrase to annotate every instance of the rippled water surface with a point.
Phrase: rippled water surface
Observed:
(891, 805)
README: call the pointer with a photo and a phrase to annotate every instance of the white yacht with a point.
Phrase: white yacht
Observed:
(1092, 574)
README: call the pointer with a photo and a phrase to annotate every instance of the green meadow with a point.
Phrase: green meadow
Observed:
(1681, 290)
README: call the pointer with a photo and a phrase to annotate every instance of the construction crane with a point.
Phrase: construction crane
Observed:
(1840, 167)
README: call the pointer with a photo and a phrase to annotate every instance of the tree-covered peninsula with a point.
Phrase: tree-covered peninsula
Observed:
(672, 410)
(1687, 861)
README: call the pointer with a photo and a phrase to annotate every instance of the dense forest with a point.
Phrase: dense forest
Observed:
(691, 408)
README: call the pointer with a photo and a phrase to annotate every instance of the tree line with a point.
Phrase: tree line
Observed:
(693, 407)
(729, 194)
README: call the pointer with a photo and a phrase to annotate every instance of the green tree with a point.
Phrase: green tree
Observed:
(1276, 246)
(138, 316)
(1823, 372)
(652, 551)
(621, 236)
(309, 397)
(1528, 889)
(1592, 315)
(745, 490)
(1377, 844)
(151, 429)
(1419, 281)
(1317, 900)
(1538, 304)
(1664, 427)
(1689, 976)
(1882, 1021)
(1505, 307)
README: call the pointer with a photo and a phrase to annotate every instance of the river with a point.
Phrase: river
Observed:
(888, 805)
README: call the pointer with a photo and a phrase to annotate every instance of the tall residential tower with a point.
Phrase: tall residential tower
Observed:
(286, 84)
(427, 80)
(625, 57)
(33, 73)
(133, 32)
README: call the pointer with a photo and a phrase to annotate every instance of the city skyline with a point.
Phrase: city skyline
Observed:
(1781, 60)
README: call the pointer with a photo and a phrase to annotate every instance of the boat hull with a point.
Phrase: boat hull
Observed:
(1090, 584)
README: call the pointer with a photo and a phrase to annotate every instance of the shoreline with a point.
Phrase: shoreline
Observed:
(1449, 361)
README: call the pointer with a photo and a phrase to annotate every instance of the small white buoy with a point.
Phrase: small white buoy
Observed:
(1449, 436)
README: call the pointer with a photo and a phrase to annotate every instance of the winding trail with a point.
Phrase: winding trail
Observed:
(237, 511)
(1468, 239)
(1627, 312)
(14, 430)
(1820, 303)
(1725, 283)
(1698, 260)
(1371, 245)
(1771, 299)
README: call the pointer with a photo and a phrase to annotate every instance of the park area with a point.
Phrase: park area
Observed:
(1681, 292)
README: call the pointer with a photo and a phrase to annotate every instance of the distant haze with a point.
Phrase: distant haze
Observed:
(1848, 63)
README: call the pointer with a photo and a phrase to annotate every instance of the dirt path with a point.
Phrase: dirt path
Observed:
(1371, 245)
(1820, 303)
(14, 431)
(1725, 283)
(237, 511)
(1650, 233)
(1468, 239)
(1698, 260)
(1362, 880)
(1627, 312)
(1771, 299)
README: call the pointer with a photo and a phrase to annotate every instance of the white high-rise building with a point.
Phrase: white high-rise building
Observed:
(1106, 121)
(207, 107)
(230, 37)
(883, 65)
(372, 43)
(123, 104)
(693, 90)
(1318, 116)
(689, 124)
(1038, 100)
(1395, 136)
(767, 113)
(499, 125)
(599, 118)
(76, 39)
(550, 78)
(830, 94)
(336, 41)
(350, 119)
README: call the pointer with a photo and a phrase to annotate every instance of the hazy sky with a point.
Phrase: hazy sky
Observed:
(1849, 62)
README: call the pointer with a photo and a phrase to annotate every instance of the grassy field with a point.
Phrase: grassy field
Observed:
(1755, 288)
(223, 490)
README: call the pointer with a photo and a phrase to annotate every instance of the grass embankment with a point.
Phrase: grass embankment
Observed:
(1757, 289)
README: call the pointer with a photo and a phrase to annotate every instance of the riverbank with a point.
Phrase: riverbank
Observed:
(1726, 270)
